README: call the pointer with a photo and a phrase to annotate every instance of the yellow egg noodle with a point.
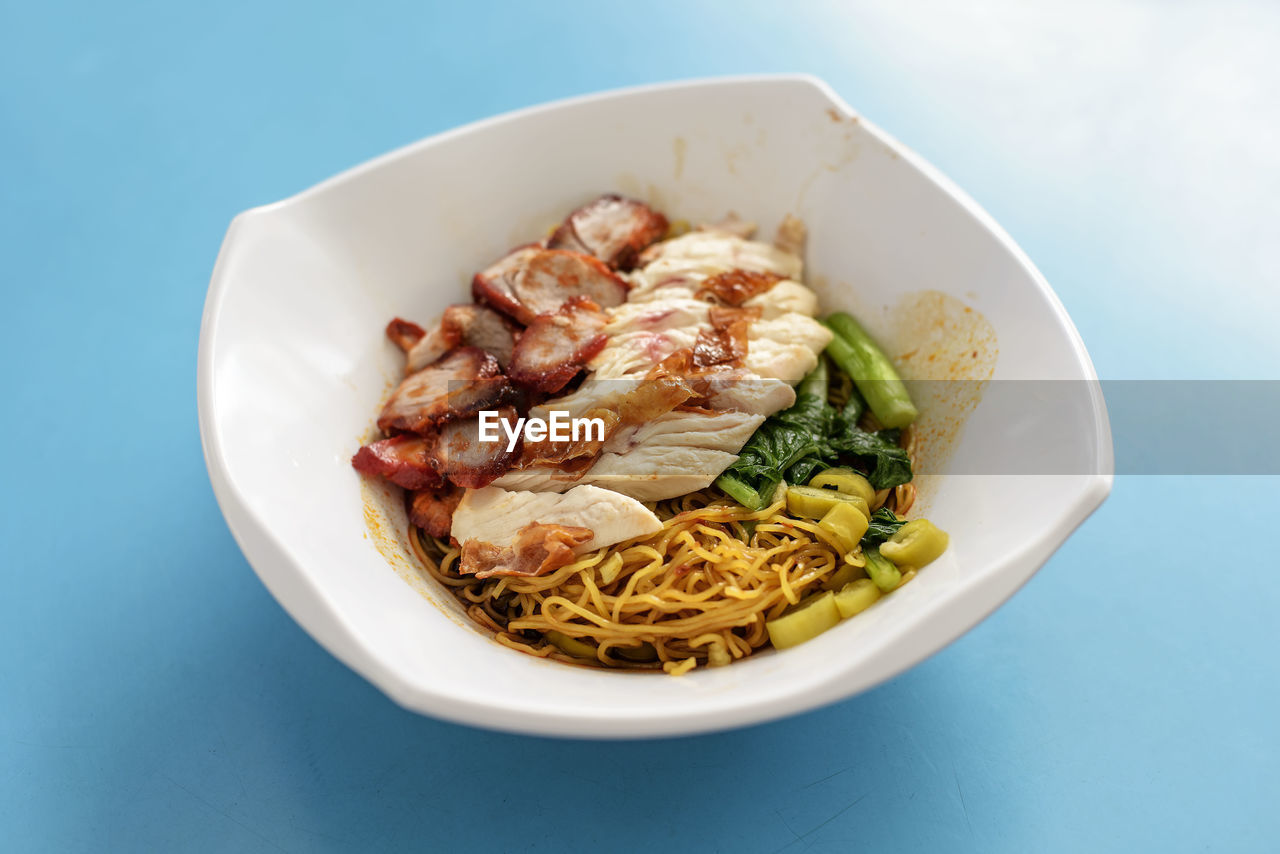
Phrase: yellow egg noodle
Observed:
(698, 592)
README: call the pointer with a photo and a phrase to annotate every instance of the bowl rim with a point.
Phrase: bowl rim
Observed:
(270, 557)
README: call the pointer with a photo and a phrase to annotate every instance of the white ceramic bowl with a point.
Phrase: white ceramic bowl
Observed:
(293, 364)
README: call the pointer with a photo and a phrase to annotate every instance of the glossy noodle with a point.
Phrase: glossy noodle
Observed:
(698, 592)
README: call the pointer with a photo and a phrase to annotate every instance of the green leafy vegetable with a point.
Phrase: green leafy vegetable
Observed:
(782, 441)
(805, 469)
(797, 443)
(883, 526)
(888, 462)
(855, 405)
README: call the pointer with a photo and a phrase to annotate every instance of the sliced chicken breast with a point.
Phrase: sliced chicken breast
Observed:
(786, 347)
(495, 515)
(635, 353)
(785, 297)
(678, 267)
(720, 431)
(783, 347)
(674, 455)
(745, 391)
(654, 474)
(539, 479)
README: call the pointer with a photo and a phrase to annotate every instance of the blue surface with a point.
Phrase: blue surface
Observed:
(154, 697)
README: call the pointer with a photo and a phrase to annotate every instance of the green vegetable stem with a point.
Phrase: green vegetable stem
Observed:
(872, 372)
(881, 571)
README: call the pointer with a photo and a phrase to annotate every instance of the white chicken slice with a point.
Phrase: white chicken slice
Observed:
(749, 392)
(782, 344)
(674, 454)
(678, 453)
(784, 297)
(670, 312)
(787, 362)
(596, 392)
(495, 515)
(720, 431)
(715, 251)
(677, 267)
(654, 474)
(675, 311)
(538, 479)
(793, 328)
(649, 290)
(785, 348)
(634, 353)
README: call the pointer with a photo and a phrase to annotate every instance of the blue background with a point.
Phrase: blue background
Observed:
(154, 696)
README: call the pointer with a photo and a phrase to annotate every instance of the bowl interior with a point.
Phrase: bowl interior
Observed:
(294, 364)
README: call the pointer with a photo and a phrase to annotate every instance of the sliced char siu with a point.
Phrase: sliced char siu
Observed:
(405, 333)
(613, 229)
(482, 327)
(462, 457)
(532, 281)
(463, 326)
(555, 347)
(433, 344)
(462, 383)
(432, 509)
(404, 460)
